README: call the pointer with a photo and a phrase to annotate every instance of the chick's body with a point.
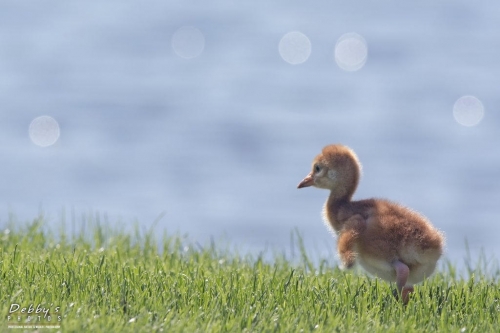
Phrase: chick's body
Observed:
(387, 232)
(388, 240)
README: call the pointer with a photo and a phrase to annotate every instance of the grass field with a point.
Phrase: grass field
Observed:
(108, 281)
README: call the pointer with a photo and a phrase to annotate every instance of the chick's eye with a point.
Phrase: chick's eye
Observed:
(317, 168)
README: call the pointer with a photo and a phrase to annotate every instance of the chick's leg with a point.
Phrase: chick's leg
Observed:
(405, 294)
(402, 273)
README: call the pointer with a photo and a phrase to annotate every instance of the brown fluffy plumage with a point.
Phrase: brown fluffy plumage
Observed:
(388, 240)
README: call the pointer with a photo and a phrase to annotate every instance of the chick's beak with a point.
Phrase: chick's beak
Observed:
(308, 181)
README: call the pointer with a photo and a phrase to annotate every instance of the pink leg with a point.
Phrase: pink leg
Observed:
(405, 294)
(402, 272)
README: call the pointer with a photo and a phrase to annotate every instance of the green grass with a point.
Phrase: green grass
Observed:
(109, 281)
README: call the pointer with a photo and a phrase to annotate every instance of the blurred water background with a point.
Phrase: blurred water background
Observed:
(209, 113)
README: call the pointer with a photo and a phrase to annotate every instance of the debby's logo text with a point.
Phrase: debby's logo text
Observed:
(33, 314)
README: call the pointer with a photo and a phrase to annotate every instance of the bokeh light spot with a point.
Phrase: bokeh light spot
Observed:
(295, 47)
(351, 52)
(44, 131)
(188, 42)
(468, 111)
